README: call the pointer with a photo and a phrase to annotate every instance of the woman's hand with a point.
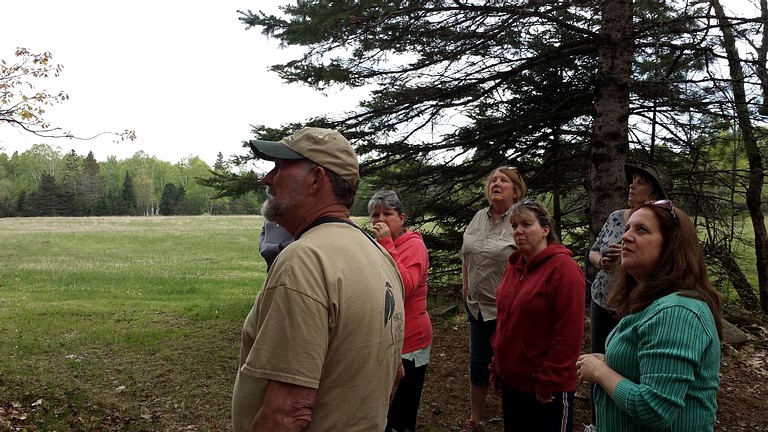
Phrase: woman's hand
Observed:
(593, 368)
(544, 398)
(611, 257)
(588, 366)
(381, 230)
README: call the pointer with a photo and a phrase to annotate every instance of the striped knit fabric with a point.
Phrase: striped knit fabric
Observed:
(669, 354)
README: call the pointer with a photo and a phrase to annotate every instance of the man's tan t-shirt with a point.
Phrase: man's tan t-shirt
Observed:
(330, 317)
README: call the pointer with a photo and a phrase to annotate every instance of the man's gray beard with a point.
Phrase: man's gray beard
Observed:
(272, 208)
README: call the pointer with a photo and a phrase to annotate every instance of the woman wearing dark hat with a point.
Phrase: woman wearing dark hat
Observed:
(646, 183)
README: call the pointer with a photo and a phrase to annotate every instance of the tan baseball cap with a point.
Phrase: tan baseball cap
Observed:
(325, 147)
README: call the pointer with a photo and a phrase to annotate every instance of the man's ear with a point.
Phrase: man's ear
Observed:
(317, 176)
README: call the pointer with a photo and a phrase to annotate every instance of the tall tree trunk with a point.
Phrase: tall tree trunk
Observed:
(756, 174)
(606, 183)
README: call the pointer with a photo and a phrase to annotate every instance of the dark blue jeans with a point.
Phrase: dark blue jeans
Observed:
(522, 412)
(480, 350)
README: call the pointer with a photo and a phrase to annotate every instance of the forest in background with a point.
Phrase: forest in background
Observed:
(42, 181)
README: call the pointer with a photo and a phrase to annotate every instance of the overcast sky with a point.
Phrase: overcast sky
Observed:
(186, 76)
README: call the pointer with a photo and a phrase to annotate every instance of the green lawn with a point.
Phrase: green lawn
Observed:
(746, 252)
(125, 323)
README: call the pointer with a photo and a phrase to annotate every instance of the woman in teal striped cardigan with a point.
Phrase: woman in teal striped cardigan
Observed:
(660, 368)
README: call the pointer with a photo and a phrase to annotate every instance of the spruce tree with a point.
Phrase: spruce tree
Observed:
(128, 196)
(171, 199)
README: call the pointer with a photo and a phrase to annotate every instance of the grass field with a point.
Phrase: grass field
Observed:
(746, 252)
(130, 324)
(127, 324)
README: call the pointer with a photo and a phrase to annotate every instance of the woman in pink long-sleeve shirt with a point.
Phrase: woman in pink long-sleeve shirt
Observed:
(409, 252)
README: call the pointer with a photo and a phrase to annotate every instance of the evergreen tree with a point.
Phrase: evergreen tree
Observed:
(110, 204)
(7, 207)
(71, 181)
(22, 206)
(128, 195)
(48, 199)
(550, 87)
(482, 86)
(171, 199)
(93, 186)
(220, 165)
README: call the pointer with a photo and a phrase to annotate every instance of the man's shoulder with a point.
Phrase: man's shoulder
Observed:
(334, 235)
(330, 244)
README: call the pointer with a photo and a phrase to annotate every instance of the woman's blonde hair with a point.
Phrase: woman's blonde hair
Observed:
(514, 176)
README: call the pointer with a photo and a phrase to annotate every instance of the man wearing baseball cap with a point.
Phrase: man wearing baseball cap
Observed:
(320, 349)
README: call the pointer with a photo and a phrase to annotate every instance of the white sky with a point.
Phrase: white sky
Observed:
(186, 76)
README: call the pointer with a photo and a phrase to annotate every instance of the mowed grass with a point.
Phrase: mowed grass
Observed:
(745, 252)
(127, 324)
(123, 323)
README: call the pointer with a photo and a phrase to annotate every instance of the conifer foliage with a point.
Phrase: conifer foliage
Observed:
(566, 91)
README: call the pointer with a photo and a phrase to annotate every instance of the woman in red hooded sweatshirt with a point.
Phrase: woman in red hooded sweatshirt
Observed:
(539, 327)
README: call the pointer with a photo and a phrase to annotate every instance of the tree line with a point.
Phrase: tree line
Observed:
(42, 181)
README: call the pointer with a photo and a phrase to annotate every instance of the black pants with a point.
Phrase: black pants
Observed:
(602, 322)
(522, 412)
(405, 405)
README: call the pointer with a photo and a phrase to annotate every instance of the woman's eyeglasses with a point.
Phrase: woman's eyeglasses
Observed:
(667, 204)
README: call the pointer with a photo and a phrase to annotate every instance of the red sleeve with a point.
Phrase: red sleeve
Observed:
(567, 291)
(503, 301)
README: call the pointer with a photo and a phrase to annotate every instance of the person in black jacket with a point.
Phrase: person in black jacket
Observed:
(272, 239)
